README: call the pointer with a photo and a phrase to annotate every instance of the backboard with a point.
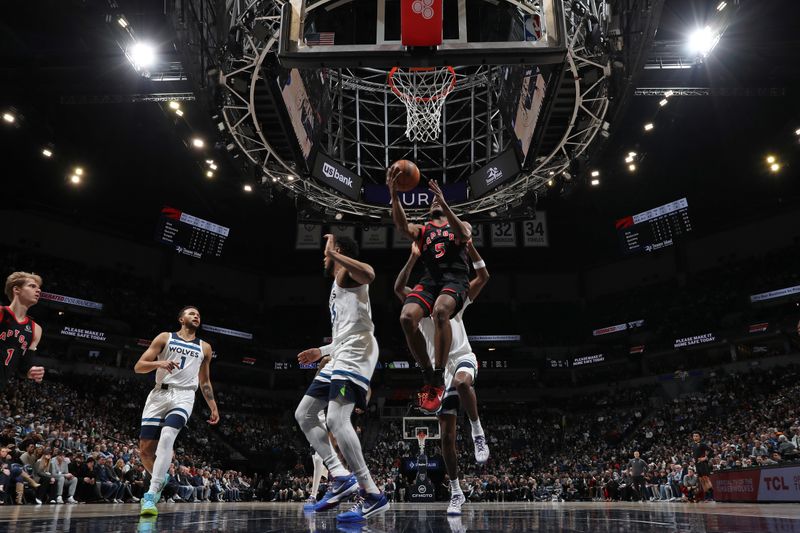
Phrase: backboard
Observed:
(412, 425)
(367, 33)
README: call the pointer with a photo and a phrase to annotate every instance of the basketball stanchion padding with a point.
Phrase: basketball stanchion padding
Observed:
(421, 22)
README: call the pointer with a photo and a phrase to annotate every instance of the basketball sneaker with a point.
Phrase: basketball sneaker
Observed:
(456, 501)
(430, 398)
(481, 450)
(149, 505)
(341, 488)
(310, 504)
(367, 505)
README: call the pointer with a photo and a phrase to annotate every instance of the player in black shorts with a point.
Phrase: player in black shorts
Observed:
(19, 334)
(440, 292)
(702, 453)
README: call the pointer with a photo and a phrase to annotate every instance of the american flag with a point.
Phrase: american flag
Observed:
(324, 38)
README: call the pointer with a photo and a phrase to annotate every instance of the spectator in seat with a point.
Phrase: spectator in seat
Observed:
(118, 473)
(59, 468)
(110, 489)
(185, 487)
(88, 485)
(786, 448)
(170, 490)
(135, 479)
(46, 480)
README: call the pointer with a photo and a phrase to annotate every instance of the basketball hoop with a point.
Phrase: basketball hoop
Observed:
(423, 90)
(421, 436)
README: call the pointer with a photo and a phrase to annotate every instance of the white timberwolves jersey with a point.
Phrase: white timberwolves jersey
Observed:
(350, 311)
(460, 345)
(188, 355)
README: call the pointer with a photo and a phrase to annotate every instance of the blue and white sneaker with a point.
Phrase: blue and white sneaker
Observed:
(310, 504)
(164, 484)
(149, 505)
(481, 450)
(341, 488)
(456, 501)
(369, 505)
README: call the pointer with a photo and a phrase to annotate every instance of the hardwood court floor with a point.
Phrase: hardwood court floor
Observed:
(540, 517)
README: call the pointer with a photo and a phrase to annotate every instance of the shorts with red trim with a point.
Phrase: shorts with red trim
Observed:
(428, 289)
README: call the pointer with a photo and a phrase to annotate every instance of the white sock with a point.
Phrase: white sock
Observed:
(455, 486)
(319, 471)
(163, 457)
(342, 428)
(307, 415)
(477, 429)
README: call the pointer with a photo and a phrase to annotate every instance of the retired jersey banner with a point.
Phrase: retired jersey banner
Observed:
(477, 235)
(421, 22)
(504, 235)
(534, 232)
(309, 237)
(341, 230)
(374, 237)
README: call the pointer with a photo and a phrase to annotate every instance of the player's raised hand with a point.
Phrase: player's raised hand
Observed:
(169, 366)
(415, 249)
(437, 191)
(392, 173)
(309, 356)
(36, 373)
(330, 243)
(214, 418)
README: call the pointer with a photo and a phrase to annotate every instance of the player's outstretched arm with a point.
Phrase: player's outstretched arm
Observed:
(398, 213)
(401, 288)
(360, 272)
(147, 362)
(461, 229)
(205, 384)
(481, 273)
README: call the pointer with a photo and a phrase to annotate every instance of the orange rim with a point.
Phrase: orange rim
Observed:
(447, 90)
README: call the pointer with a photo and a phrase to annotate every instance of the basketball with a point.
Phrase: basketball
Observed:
(409, 175)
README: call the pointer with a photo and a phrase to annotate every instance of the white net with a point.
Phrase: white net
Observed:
(423, 90)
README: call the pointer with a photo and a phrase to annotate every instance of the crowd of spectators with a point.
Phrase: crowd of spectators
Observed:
(61, 442)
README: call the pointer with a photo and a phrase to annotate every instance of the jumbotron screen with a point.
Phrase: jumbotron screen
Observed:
(190, 235)
(654, 229)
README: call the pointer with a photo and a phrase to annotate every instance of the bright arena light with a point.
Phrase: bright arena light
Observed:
(632, 167)
(47, 152)
(770, 159)
(663, 102)
(75, 179)
(774, 167)
(142, 55)
(649, 126)
(595, 182)
(797, 132)
(209, 174)
(173, 104)
(9, 117)
(702, 41)
(722, 5)
(198, 142)
(212, 166)
(248, 188)
(179, 112)
(595, 173)
(629, 159)
(78, 171)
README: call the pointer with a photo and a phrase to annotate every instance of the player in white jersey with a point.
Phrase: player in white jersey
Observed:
(182, 362)
(460, 373)
(354, 354)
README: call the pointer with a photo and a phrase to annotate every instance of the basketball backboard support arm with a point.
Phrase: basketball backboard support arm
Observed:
(293, 52)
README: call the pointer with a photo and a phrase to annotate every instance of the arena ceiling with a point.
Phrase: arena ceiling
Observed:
(65, 75)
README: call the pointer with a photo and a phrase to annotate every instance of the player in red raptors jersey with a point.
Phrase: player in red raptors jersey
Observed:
(19, 334)
(441, 292)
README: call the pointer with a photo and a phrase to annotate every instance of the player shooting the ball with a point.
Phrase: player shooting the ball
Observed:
(441, 291)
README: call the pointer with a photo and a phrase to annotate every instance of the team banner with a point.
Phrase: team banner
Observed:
(309, 237)
(771, 295)
(226, 331)
(341, 230)
(70, 300)
(85, 334)
(504, 235)
(477, 235)
(374, 237)
(534, 232)
(781, 484)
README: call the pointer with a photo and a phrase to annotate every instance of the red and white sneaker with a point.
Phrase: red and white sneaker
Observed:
(430, 398)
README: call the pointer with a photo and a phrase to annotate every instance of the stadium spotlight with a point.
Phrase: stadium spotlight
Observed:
(595, 182)
(550, 182)
(47, 152)
(212, 166)
(122, 21)
(668, 94)
(274, 179)
(774, 167)
(248, 188)
(338, 216)
(629, 159)
(290, 178)
(209, 174)
(595, 173)
(770, 159)
(649, 126)
(197, 142)
(702, 41)
(75, 179)
(722, 5)
(142, 55)
(174, 104)
(663, 102)
(9, 117)
(78, 171)
(179, 112)
(797, 132)
(632, 167)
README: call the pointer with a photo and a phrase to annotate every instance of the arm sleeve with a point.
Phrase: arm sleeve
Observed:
(327, 349)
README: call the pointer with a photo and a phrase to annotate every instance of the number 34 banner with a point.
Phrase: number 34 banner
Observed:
(534, 232)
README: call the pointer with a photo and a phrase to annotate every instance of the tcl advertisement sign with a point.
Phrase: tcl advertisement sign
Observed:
(758, 485)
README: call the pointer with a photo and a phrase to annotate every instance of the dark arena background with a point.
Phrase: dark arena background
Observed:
(630, 170)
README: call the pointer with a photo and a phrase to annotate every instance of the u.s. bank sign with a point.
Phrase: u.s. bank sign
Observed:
(334, 175)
